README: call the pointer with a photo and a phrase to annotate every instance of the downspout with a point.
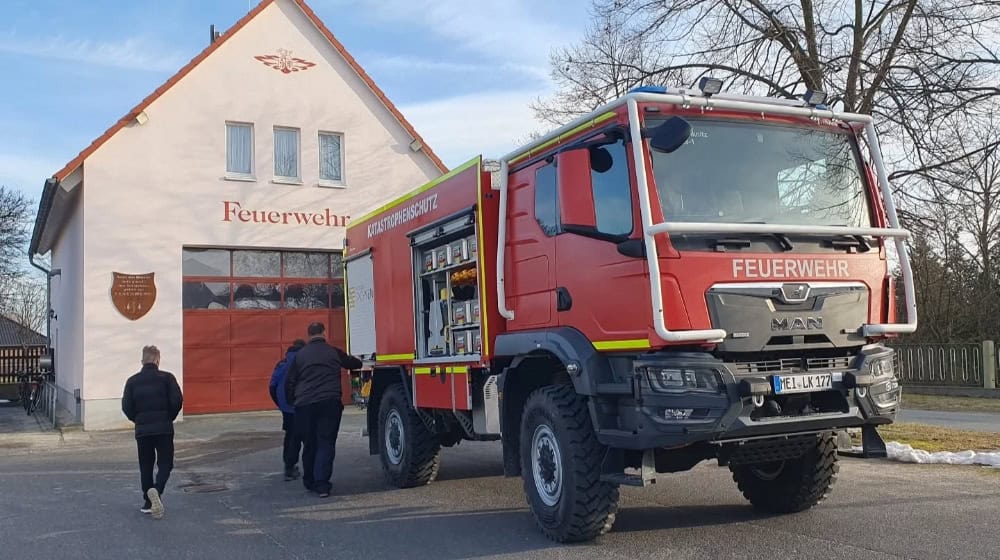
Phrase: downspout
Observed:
(44, 205)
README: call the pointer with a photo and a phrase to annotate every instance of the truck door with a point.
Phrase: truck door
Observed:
(600, 290)
(360, 278)
(532, 226)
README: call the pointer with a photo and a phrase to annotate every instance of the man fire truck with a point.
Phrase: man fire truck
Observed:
(678, 276)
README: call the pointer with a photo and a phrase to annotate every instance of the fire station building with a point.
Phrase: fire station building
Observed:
(210, 218)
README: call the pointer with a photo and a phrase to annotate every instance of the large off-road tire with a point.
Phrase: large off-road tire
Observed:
(561, 467)
(792, 485)
(408, 450)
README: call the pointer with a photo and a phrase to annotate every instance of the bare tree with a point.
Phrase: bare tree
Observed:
(911, 63)
(26, 306)
(14, 212)
(926, 69)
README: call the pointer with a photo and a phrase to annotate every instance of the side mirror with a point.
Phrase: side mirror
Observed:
(670, 135)
(575, 187)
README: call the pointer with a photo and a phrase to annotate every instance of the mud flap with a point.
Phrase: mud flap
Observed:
(872, 444)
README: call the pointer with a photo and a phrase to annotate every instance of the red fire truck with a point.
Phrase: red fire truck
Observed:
(681, 275)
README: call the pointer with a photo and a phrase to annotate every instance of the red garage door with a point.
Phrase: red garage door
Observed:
(242, 309)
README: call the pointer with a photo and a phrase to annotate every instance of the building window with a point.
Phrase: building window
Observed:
(236, 279)
(239, 150)
(331, 159)
(286, 154)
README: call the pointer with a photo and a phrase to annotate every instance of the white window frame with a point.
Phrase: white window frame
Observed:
(234, 176)
(342, 182)
(297, 179)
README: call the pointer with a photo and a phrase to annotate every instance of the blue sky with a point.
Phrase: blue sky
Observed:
(71, 68)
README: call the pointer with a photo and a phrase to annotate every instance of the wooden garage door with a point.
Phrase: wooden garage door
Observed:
(242, 309)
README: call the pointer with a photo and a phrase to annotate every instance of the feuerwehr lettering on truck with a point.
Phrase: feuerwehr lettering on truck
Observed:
(790, 268)
(403, 215)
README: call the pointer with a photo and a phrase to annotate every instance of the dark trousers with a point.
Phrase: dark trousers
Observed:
(157, 449)
(293, 443)
(318, 425)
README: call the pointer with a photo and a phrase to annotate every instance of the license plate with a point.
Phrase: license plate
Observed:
(785, 384)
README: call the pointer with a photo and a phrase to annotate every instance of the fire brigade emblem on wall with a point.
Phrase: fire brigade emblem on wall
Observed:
(133, 294)
(285, 62)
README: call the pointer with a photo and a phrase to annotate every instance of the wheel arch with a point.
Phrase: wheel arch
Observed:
(534, 359)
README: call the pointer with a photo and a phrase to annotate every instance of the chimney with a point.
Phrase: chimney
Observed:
(213, 34)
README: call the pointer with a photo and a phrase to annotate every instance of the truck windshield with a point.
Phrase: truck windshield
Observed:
(760, 173)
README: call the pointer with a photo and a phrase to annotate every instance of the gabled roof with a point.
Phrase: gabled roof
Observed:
(79, 159)
(13, 334)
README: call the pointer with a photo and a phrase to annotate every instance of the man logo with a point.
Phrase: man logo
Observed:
(796, 323)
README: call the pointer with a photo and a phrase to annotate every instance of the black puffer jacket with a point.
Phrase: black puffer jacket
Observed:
(314, 375)
(152, 399)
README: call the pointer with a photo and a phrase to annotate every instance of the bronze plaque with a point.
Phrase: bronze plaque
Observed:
(133, 294)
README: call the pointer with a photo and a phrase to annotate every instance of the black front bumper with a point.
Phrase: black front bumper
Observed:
(651, 419)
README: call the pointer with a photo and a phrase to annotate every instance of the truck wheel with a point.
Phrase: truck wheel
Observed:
(409, 451)
(792, 485)
(561, 467)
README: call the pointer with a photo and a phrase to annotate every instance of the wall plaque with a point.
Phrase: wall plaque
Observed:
(133, 294)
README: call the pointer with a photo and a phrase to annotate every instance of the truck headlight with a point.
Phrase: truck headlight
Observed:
(667, 379)
(882, 368)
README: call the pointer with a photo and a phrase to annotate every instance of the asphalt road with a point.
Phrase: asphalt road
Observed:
(974, 421)
(227, 500)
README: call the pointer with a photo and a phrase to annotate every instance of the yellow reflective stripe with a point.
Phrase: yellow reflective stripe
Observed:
(484, 307)
(589, 124)
(415, 192)
(393, 357)
(423, 370)
(347, 311)
(636, 344)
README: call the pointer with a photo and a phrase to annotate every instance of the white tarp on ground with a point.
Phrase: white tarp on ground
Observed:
(907, 454)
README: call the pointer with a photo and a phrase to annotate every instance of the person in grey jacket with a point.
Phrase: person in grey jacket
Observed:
(313, 385)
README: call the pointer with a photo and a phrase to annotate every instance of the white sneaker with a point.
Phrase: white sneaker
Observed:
(156, 504)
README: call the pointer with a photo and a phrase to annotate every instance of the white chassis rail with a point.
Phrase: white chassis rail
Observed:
(721, 101)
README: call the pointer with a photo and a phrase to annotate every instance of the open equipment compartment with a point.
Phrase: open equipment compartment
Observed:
(447, 299)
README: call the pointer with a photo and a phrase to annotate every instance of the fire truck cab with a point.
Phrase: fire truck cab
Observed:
(681, 275)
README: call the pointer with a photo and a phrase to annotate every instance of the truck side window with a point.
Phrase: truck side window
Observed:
(546, 207)
(612, 191)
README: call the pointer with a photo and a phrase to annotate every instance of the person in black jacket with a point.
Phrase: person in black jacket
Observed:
(152, 400)
(313, 386)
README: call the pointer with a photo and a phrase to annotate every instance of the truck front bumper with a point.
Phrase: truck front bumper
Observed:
(737, 407)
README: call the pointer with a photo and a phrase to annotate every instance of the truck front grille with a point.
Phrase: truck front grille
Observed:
(784, 365)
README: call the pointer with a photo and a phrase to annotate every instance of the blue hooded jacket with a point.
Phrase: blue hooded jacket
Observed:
(277, 387)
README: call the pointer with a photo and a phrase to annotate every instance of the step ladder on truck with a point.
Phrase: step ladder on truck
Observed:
(681, 275)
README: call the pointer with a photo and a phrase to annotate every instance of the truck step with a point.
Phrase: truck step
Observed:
(625, 479)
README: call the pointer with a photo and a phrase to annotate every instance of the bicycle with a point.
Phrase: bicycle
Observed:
(29, 391)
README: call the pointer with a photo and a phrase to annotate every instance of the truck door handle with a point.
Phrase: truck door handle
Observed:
(564, 301)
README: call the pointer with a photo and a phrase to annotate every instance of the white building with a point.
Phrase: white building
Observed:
(230, 185)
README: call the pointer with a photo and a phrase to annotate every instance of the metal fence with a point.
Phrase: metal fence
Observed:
(47, 404)
(956, 365)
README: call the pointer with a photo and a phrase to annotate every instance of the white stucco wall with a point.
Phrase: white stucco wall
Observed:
(67, 301)
(155, 188)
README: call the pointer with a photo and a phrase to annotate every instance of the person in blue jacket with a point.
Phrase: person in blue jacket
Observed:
(293, 443)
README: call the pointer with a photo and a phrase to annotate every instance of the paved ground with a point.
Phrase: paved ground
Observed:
(974, 421)
(227, 500)
(14, 419)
